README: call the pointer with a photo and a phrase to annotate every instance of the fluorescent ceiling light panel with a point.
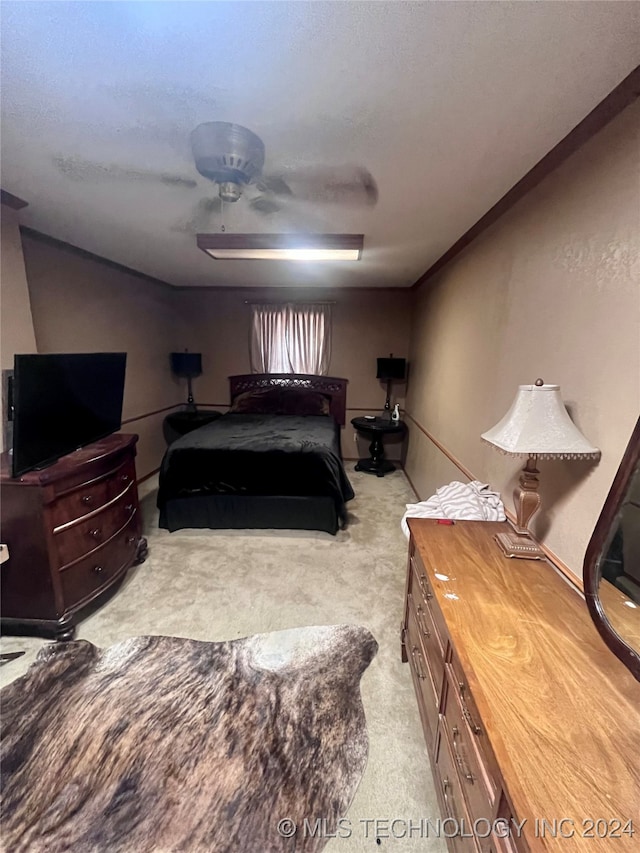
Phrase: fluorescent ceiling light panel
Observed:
(282, 247)
(284, 254)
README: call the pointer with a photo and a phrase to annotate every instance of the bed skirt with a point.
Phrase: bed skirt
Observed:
(246, 511)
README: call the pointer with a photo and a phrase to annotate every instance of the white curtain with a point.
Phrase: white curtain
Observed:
(291, 338)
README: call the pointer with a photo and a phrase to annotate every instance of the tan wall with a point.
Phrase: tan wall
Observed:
(551, 291)
(82, 305)
(366, 325)
(16, 329)
(17, 323)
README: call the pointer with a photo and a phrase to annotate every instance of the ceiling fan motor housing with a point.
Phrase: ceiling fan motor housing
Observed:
(229, 154)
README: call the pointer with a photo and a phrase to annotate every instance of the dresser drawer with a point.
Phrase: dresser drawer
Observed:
(81, 502)
(122, 479)
(74, 541)
(451, 798)
(86, 578)
(464, 711)
(476, 780)
(426, 693)
(421, 584)
(510, 842)
(431, 646)
(91, 496)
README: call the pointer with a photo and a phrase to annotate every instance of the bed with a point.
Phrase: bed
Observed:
(273, 461)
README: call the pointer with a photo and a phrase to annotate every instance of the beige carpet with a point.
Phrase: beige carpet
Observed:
(220, 585)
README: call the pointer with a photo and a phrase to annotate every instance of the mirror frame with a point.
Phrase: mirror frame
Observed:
(595, 553)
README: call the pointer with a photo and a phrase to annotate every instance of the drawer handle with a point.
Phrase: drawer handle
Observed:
(468, 775)
(129, 507)
(131, 540)
(423, 583)
(424, 630)
(87, 499)
(96, 533)
(501, 827)
(124, 478)
(415, 654)
(475, 728)
(98, 570)
(449, 802)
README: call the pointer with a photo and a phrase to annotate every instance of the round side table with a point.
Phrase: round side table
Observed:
(376, 429)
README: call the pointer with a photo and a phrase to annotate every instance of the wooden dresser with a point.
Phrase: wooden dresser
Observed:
(72, 530)
(532, 725)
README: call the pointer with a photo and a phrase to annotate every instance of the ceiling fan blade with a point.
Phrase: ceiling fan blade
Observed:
(265, 204)
(261, 200)
(348, 185)
(200, 216)
(86, 170)
(275, 184)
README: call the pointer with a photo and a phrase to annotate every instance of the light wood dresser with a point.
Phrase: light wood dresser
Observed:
(73, 530)
(532, 725)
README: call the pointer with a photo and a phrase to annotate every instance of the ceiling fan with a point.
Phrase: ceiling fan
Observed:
(232, 157)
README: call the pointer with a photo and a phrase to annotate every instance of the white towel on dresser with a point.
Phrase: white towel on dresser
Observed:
(472, 501)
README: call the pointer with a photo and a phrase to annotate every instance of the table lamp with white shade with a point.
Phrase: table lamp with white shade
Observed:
(536, 426)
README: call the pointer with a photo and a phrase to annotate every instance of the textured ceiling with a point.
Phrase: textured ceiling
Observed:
(448, 104)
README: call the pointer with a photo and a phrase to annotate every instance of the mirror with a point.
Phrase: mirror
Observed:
(612, 562)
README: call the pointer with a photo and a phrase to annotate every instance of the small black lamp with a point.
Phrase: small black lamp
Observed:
(391, 368)
(187, 364)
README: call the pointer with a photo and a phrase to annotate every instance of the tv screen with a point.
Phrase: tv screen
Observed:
(63, 402)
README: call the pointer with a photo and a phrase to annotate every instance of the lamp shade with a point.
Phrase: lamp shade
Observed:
(538, 424)
(187, 364)
(391, 368)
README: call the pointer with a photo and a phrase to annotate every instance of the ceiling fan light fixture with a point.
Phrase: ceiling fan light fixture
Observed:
(282, 247)
(229, 191)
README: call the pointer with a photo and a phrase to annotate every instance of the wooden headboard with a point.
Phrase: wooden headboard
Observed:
(334, 389)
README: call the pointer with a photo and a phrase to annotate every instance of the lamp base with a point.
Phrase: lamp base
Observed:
(521, 547)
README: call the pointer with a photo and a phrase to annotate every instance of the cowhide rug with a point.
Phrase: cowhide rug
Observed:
(165, 744)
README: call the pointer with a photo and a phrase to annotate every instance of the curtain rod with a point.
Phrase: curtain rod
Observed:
(286, 302)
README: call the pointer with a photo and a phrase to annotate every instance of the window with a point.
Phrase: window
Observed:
(291, 338)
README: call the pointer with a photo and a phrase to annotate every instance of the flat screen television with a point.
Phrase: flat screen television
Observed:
(63, 402)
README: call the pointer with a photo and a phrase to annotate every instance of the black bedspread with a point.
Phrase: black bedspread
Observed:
(242, 454)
